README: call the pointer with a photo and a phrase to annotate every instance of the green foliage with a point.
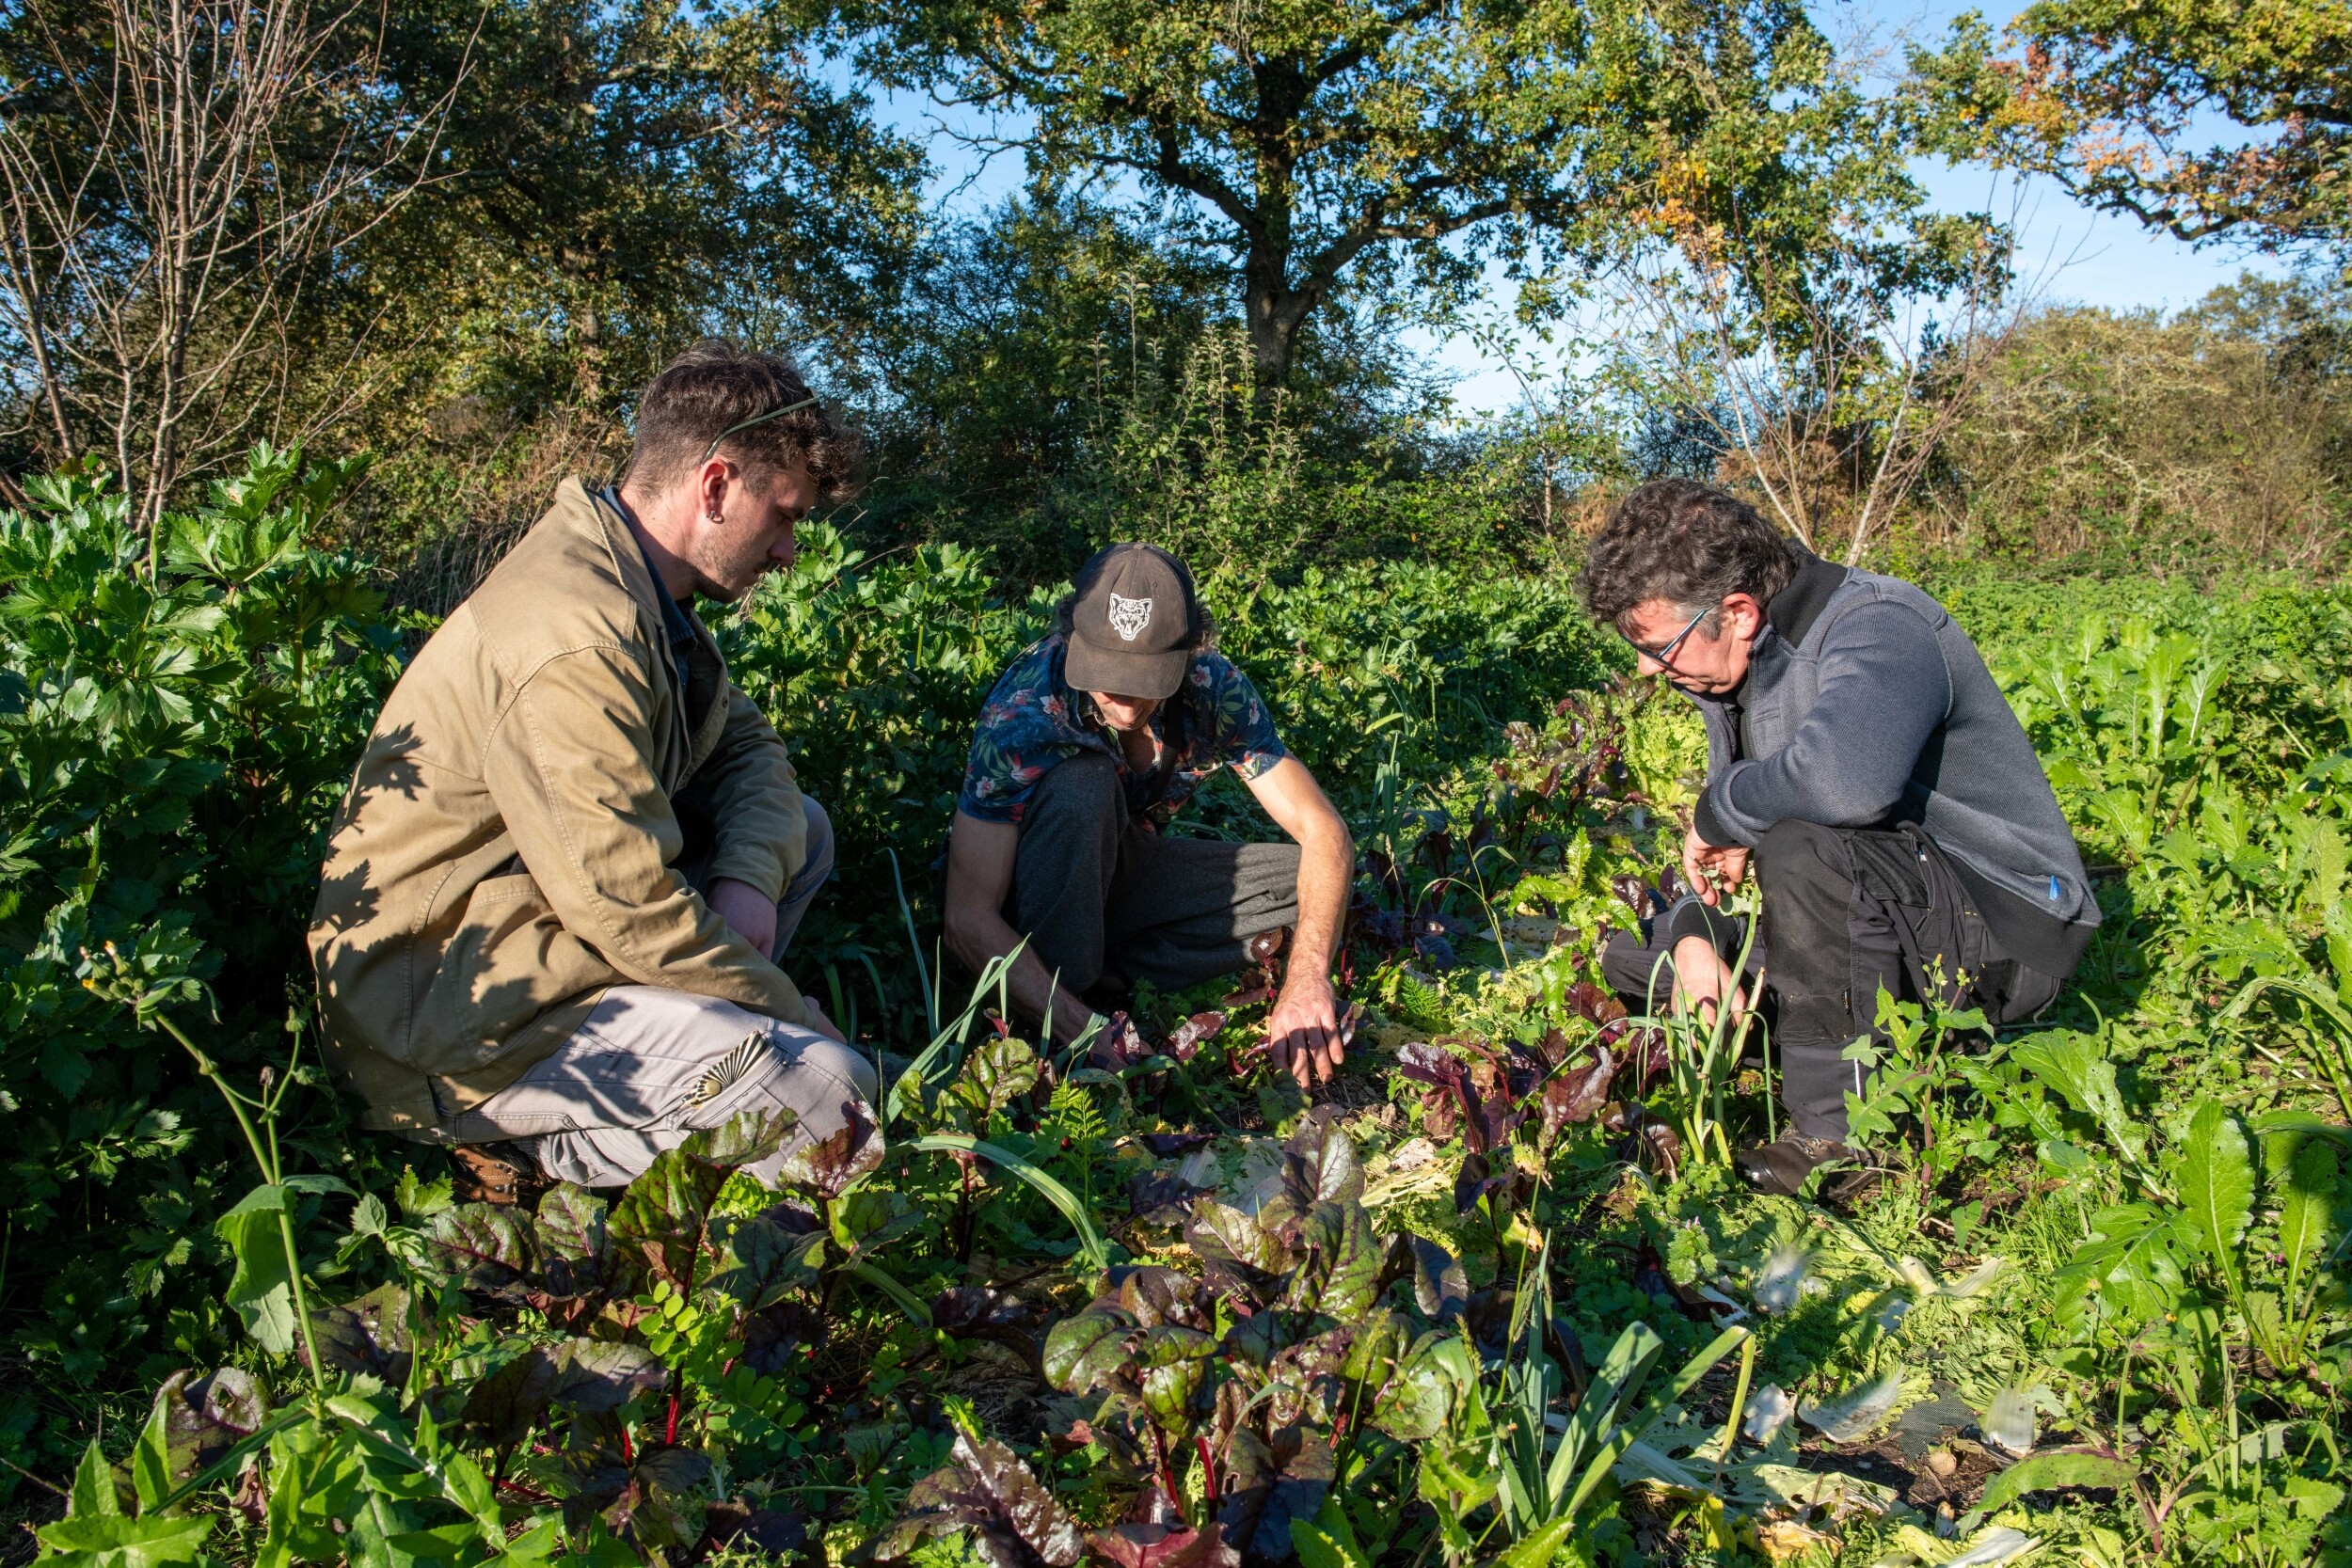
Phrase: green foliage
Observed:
(2100, 93)
(170, 746)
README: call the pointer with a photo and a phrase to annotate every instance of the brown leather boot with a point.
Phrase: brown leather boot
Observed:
(1781, 1166)
(502, 1174)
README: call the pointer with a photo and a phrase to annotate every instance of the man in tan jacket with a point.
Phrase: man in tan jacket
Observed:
(553, 903)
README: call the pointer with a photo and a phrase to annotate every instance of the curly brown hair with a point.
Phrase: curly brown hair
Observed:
(717, 385)
(1686, 543)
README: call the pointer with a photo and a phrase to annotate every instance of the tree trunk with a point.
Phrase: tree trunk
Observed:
(1273, 310)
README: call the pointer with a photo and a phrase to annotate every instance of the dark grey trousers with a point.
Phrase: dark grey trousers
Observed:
(1103, 899)
(1847, 910)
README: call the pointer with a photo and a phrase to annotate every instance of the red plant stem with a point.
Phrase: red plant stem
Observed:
(1208, 1468)
(669, 1435)
(628, 1449)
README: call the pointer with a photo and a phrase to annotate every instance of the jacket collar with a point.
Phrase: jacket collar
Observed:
(1795, 608)
(589, 516)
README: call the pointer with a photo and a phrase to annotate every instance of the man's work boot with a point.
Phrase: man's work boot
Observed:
(1780, 1167)
(502, 1174)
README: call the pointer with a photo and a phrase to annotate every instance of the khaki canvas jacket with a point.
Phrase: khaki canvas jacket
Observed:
(542, 727)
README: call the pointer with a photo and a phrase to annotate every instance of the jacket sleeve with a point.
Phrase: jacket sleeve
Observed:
(762, 830)
(1883, 689)
(570, 766)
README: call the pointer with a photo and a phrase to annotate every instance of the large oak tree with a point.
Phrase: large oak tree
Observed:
(1330, 143)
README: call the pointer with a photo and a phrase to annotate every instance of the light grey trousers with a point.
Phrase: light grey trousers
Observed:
(652, 1065)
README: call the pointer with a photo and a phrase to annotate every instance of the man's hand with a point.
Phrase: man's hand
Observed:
(748, 913)
(1702, 981)
(1303, 1030)
(818, 1022)
(1710, 869)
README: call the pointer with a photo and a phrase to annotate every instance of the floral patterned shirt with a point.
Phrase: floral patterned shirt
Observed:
(1032, 720)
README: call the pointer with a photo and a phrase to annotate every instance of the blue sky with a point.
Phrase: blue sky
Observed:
(2074, 255)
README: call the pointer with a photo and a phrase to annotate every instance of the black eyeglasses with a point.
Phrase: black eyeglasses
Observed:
(1665, 656)
(711, 450)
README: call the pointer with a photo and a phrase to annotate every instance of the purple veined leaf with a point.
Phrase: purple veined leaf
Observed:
(1420, 1395)
(997, 1072)
(1653, 1050)
(1155, 1295)
(1308, 1380)
(1523, 1068)
(1623, 1115)
(482, 1247)
(1440, 1288)
(571, 1236)
(1219, 1232)
(1665, 1146)
(664, 1506)
(1013, 1519)
(1554, 1048)
(1085, 1351)
(771, 1338)
(1594, 1004)
(206, 1417)
(1266, 945)
(1634, 894)
(1248, 996)
(1340, 1277)
(1167, 1390)
(370, 1335)
(1438, 950)
(595, 1377)
(1118, 1044)
(825, 1169)
(502, 1407)
(1426, 1062)
(770, 1260)
(1441, 1112)
(1193, 1033)
(1152, 1194)
(1253, 1341)
(1671, 886)
(1582, 1090)
(1319, 1163)
(1272, 1481)
(1472, 1182)
(1166, 1145)
(657, 1228)
(1161, 1547)
(743, 1139)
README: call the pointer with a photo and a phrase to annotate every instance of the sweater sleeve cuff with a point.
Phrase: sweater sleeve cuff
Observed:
(1708, 823)
(1690, 917)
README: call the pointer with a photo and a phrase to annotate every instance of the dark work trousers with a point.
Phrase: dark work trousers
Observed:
(1847, 910)
(1103, 899)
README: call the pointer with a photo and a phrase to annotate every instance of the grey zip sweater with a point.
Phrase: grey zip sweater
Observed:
(1865, 705)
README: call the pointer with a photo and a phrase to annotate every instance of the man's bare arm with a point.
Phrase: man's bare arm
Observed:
(1304, 1028)
(981, 857)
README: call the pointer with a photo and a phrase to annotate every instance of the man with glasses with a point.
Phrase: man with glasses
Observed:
(1863, 760)
(556, 897)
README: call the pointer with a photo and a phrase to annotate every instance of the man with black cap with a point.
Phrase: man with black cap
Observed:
(1086, 746)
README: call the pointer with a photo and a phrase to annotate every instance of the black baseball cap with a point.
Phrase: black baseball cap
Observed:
(1133, 624)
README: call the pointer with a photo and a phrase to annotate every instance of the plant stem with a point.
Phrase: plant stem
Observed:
(268, 1164)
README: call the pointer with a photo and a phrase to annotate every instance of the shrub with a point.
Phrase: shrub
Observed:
(173, 735)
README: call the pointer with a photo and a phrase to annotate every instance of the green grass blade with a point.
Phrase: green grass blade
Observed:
(1090, 1239)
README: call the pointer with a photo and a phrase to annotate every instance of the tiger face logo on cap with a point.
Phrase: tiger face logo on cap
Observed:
(1128, 617)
